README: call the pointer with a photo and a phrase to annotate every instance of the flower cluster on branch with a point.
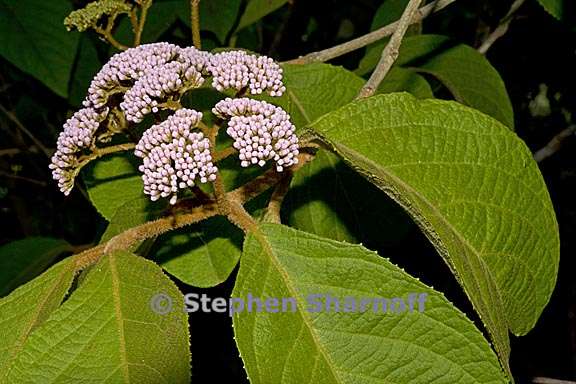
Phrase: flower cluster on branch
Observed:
(176, 153)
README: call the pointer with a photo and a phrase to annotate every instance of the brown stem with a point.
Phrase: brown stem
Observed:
(223, 154)
(501, 29)
(275, 204)
(555, 144)
(107, 35)
(195, 23)
(13, 118)
(362, 41)
(145, 5)
(391, 51)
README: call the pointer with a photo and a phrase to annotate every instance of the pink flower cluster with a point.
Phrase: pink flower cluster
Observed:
(261, 132)
(157, 84)
(77, 136)
(238, 70)
(144, 79)
(174, 156)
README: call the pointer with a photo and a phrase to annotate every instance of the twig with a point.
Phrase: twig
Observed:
(9, 151)
(362, 41)
(555, 144)
(547, 380)
(391, 51)
(22, 178)
(272, 214)
(501, 29)
(12, 117)
(223, 154)
(109, 38)
(195, 23)
(234, 201)
(145, 5)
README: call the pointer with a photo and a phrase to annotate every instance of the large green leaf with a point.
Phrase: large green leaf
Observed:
(113, 181)
(108, 332)
(202, 255)
(433, 343)
(33, 38)
(472, 186)
(467, 74)
(25, 309)
(321, 197)
(553, 7)
(24, 259)
(257, 9)
(315, 89)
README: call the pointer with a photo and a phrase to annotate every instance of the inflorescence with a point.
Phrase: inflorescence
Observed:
(261, 132)
(175, 153)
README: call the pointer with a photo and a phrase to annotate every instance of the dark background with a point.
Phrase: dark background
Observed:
(538, 49)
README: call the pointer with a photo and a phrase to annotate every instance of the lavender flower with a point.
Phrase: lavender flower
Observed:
(261, 132)
(237, 70)
(174, 156)
(157, 84)
(78, 135)
(124, 68)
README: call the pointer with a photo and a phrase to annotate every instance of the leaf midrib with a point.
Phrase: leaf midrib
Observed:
(261, 238)
(499, 347)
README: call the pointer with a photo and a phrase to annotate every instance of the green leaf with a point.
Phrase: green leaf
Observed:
(202, 255)
(257, 9)
(467, 74)
(553, 7)
(218, 16)
(320, 198)
(404, 80)
(472, 186)
(107, 331)
(25, 309)
(315, 89)
(438, 344)
(329, 199)
(33, 38)
(112, 182)
(25, 259)
(85, 68)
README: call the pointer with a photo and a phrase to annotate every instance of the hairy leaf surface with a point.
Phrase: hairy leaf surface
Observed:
(437, 345)
(472, 186)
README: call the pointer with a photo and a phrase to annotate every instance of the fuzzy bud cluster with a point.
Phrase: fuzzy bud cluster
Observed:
(88, 17)
(124, 68)
(78, 135)
(238, 70)
(174, 156)
(261, 132)
(157, 84)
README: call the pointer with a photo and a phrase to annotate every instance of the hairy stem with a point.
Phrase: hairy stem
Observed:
(195, 23)
(391, 51)
(223, 154)
(369, 38)
(275, 204)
